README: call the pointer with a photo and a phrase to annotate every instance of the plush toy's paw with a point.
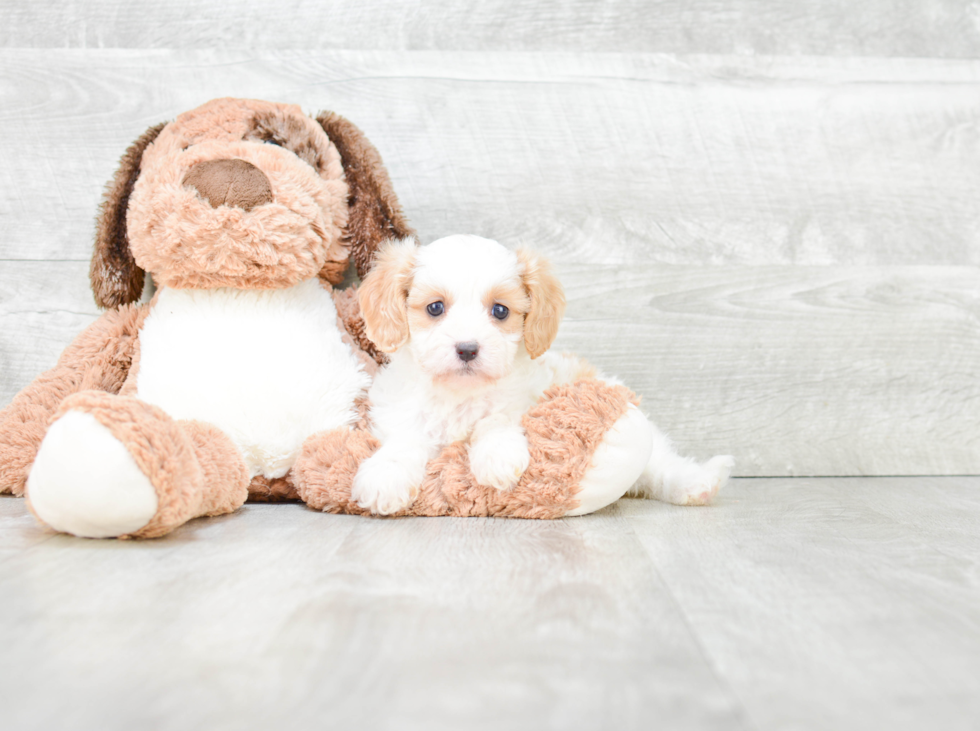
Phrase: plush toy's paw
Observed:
(86, 483)
(384, 486)
(617, 463)
(14, 466)
(499, 458)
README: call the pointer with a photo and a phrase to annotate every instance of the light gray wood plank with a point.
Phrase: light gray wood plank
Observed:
(794, 370)
(610, 158)
(824, 611)
(18, 529)
(43, 306)
(943, 28)
(792, 603)
(284, 617)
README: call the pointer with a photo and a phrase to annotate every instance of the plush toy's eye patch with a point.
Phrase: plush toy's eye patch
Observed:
(288, 133)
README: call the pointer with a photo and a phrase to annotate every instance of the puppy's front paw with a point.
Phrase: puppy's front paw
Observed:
(499, 458)
(383, 486)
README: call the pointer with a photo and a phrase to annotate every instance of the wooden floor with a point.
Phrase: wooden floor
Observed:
(793, 603)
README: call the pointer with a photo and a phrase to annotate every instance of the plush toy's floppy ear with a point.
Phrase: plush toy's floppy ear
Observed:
(116, 280)
(547, 303)
(375, 214)
(383, 296)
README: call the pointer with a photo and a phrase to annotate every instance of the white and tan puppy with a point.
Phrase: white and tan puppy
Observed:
(468, 324)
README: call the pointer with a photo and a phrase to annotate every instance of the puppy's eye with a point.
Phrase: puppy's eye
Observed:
(436, 309)
(272, 141)
(500, 312)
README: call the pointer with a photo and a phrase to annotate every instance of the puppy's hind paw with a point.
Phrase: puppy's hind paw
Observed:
(714, 475)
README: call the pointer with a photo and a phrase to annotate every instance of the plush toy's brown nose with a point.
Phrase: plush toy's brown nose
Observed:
(230, 183)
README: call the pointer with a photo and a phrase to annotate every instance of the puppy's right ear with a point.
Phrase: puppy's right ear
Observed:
(116, 280)
(383, 295)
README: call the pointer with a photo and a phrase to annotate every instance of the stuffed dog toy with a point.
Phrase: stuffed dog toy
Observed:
(245, 213)
(245, 376)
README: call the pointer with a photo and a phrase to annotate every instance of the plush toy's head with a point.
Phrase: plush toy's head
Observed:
(244, 194)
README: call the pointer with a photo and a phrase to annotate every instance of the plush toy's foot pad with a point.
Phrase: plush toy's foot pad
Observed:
(113, 466)
(617, 463)
(85, 482)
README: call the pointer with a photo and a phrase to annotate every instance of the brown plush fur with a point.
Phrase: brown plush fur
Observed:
(375, 214)
(185, 241)
(195, 469)
(329, 150)
(233, 183)
(116, 280)
(563, 431)
(354, 332)
(99, 358)
(277, 490)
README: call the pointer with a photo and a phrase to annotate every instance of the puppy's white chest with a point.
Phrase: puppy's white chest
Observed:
(455, 423)
(268, 367)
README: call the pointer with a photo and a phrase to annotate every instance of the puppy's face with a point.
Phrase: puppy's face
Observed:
(463, 305)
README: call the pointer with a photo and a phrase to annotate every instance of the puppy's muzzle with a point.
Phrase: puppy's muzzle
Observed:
(467, 351)
(230, 183)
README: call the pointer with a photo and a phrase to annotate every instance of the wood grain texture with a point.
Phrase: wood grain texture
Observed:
(830, 604)
(604, 158)
(937, 28)
(794, 370)
(279, 616)
(43, 306)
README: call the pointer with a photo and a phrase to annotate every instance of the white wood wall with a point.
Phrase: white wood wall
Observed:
(766, 214)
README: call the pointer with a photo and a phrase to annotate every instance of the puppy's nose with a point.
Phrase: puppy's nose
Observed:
(467, 351)
(230, 183)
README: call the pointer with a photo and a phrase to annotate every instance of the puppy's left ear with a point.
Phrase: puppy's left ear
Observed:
(547, 303)
(375, 214)
(383, 296)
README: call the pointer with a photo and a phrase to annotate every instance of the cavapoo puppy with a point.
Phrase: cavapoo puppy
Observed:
(468, 324)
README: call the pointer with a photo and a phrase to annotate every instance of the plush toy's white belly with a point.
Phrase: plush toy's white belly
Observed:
(268, 367)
